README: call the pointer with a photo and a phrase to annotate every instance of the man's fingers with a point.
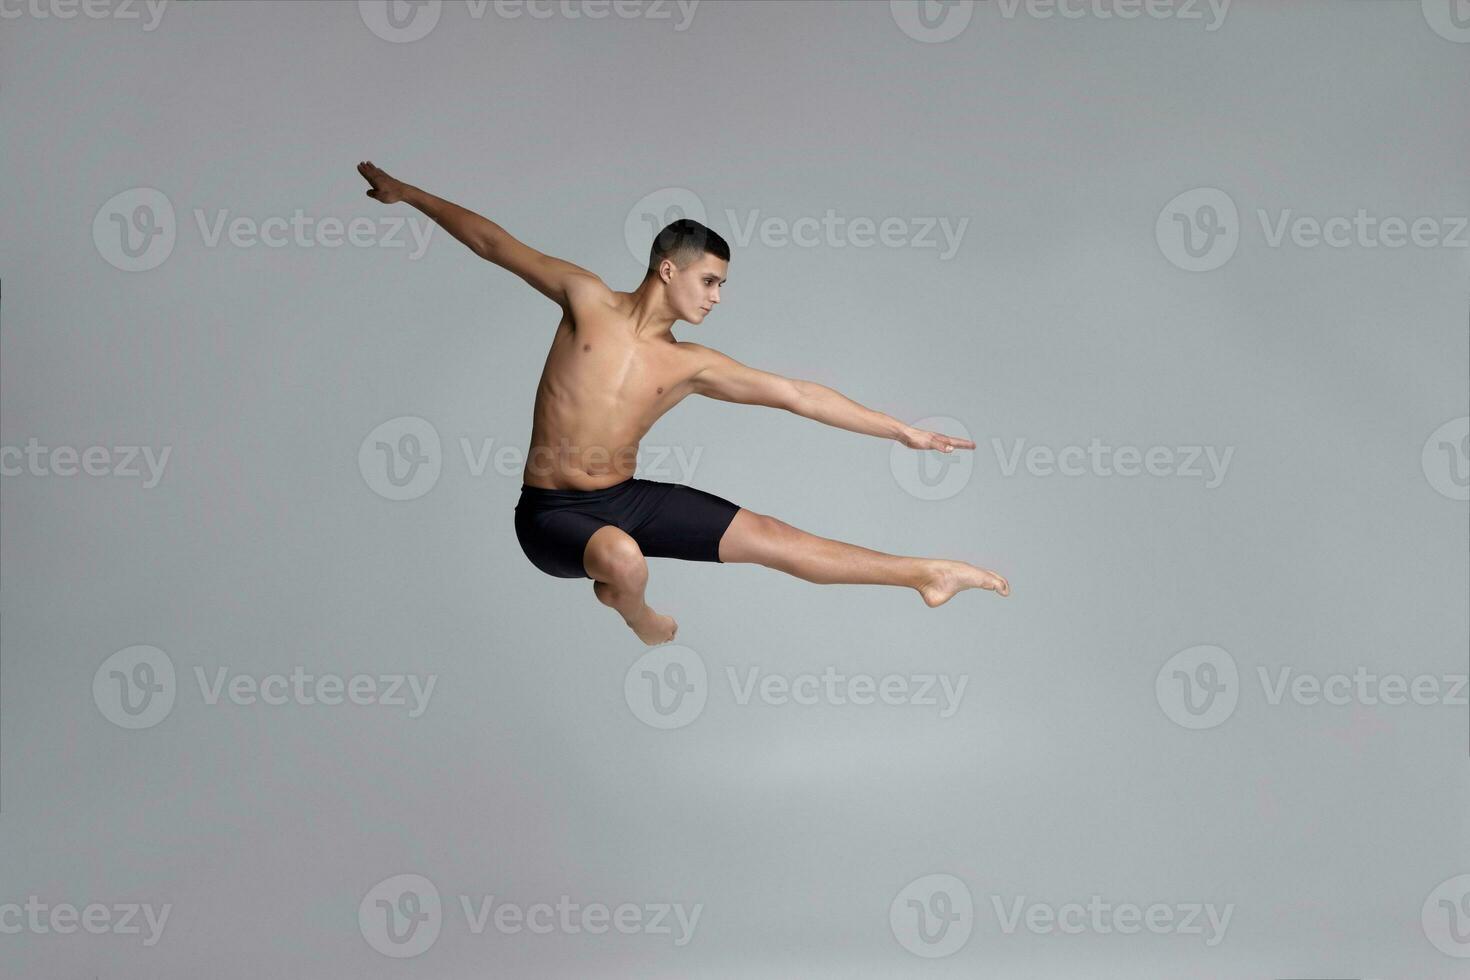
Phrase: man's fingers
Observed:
(954, 442)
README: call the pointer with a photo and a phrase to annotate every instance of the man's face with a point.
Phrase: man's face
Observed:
(695, 289)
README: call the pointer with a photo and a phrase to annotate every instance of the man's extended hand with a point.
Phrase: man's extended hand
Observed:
(923, 439)
(384, 187)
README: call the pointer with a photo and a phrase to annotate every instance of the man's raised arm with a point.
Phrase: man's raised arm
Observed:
(722, 377)
(556, 279)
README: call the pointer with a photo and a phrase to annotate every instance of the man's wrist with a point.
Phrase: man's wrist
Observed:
(414, 196)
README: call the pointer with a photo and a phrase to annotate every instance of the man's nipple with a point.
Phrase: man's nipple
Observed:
(586, 346)
(660, 389)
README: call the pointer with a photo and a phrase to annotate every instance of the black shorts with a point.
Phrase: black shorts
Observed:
(668, 520)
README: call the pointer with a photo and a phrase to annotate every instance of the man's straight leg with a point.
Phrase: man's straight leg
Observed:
(764, 540)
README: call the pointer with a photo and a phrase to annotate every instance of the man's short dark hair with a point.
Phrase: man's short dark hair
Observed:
(684, 241)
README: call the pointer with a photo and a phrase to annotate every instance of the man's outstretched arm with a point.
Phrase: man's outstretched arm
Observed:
(722, 377)
(558, 280)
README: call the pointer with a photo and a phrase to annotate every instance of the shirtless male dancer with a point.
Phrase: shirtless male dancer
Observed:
(613, 370)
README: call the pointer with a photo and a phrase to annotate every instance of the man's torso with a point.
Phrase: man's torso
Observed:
(601, 390)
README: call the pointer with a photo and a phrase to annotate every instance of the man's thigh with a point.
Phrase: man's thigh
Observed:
(685, 523)
(762, 540)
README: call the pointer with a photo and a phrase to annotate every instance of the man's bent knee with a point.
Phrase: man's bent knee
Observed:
(613, 556)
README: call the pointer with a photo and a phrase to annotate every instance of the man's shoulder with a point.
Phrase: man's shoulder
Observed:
(589, 299)
(698, 355)
(586, 288)
(699, 350)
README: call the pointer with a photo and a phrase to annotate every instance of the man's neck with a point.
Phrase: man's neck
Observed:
(651, 314)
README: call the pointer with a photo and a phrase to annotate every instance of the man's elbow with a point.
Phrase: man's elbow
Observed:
(491, 248)
(794, 396)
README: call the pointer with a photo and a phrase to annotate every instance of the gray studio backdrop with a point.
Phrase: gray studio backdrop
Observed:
(283, 698)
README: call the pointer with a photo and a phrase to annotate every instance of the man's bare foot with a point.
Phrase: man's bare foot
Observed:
(949, 577)
(653, 628)
(649, 625)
